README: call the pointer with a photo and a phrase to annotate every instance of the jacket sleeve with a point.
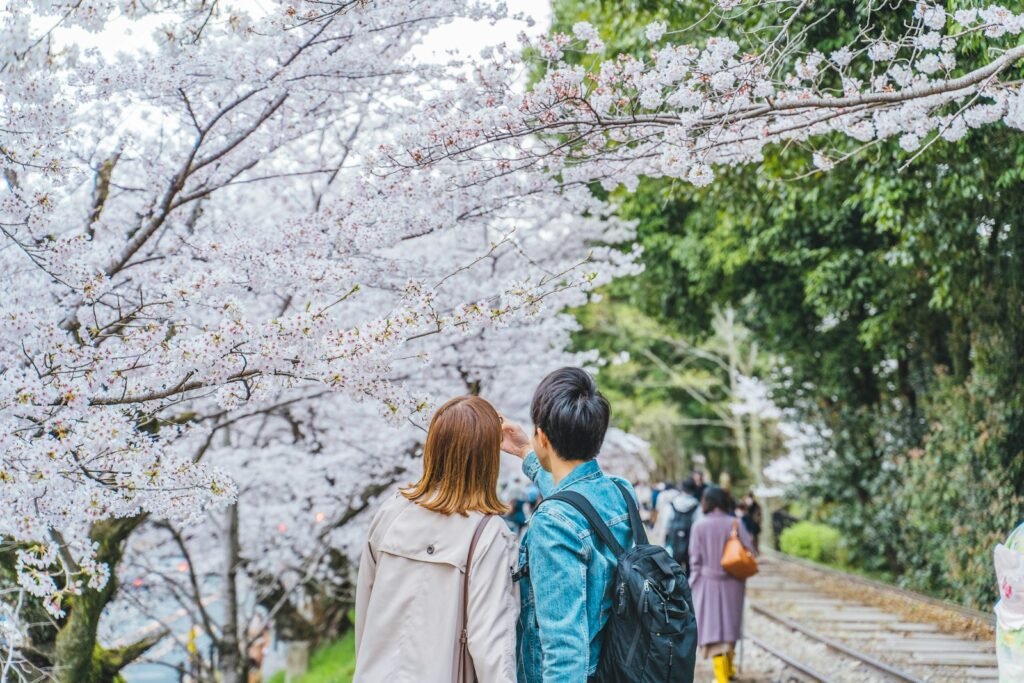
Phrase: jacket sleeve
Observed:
(364, 586)
(557, 577)
(538, 475)
(494, 610)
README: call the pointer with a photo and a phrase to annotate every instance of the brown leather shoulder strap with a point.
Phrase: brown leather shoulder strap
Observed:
(469, 564)
(461, 665)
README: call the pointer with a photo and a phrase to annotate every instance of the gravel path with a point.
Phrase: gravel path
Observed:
(930, 651)
(759, 666)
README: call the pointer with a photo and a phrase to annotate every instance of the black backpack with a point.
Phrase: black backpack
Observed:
(678, 534)
(651, 634)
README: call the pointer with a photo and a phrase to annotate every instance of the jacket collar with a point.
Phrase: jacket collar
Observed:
(588, 470)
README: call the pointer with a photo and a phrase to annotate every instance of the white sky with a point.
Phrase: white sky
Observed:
(469, 37)
(460, 38)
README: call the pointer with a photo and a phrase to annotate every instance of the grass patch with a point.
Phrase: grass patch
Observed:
(333, 662)
(815, 542)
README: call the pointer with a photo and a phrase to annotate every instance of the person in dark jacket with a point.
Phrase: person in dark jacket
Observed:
(781, 520)
(752, 518)
(683, 512)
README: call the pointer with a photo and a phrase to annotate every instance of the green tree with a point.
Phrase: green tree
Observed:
(685, 398)
(890, 290)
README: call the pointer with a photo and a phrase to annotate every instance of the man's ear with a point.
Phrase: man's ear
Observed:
(542, 438)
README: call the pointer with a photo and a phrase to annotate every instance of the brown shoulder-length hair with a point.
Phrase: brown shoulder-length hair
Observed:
(461, 460)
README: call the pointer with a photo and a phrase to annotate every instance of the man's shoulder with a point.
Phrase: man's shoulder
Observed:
(603, 492)
(622, 483)
(556, 511)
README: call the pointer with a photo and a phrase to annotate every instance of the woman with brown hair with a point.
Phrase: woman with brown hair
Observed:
(417, 616)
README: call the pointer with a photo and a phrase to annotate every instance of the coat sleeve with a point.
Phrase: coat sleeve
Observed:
(561, 602)
(494, 610)
(364, 585)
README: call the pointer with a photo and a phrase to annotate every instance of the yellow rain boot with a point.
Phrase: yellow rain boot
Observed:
(721, 665)
(732, 664)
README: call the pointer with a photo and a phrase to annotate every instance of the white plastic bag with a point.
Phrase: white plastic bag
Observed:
(1009, 564)
(1010, 575)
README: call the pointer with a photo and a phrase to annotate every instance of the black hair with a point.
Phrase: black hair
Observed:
(716, 498)
(689, 486)
(572, 413)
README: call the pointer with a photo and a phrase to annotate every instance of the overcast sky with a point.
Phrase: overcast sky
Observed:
(465, 37)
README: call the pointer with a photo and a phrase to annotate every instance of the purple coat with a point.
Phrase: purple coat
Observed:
(717, 596)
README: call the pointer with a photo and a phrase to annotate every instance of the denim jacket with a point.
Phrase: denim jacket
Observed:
(565, 592)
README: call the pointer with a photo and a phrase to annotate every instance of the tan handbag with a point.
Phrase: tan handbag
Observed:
(463, 666)
(737, 561)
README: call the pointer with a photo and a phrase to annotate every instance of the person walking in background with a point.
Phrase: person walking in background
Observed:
(717, 596)
(663, 514)
(781, 520)
(698, 480)
(683, 512)
(409, 594)
(516, 518)
(1009, 564)
(752, 519)
(656, 491)
(645, 495)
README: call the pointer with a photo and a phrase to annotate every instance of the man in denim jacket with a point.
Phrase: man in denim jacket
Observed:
(565, 571)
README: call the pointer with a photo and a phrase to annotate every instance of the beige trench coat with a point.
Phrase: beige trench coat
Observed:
(408, 596)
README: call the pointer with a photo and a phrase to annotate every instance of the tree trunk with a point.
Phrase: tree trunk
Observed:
(78, 657)
(232, 663)
(736, 422)
(756, 427)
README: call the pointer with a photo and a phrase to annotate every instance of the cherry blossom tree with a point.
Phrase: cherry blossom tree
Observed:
(291, 540)
(688, 108)
(217, 245)
(199, 261)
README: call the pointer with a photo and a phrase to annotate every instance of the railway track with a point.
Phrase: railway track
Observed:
(806, 623)
(983, 617)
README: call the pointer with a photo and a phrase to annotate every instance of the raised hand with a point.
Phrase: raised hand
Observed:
(514, 439)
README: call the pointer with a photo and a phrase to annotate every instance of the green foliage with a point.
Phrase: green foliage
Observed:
(335, 662)
(963, 490)
(813, 541)
(893, 294)
(679, 394)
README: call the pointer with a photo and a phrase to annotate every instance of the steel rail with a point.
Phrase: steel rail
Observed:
(789, 661)
(837, 646)
(983, 617)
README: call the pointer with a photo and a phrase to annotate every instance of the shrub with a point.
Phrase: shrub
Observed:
(813, 541)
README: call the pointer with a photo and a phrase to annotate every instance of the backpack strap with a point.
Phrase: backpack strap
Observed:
(635, 523)
(597, 524)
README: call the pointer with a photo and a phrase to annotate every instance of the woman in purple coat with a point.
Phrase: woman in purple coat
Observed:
(717, 596)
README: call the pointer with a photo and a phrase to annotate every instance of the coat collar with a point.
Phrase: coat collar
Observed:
(587, 470)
